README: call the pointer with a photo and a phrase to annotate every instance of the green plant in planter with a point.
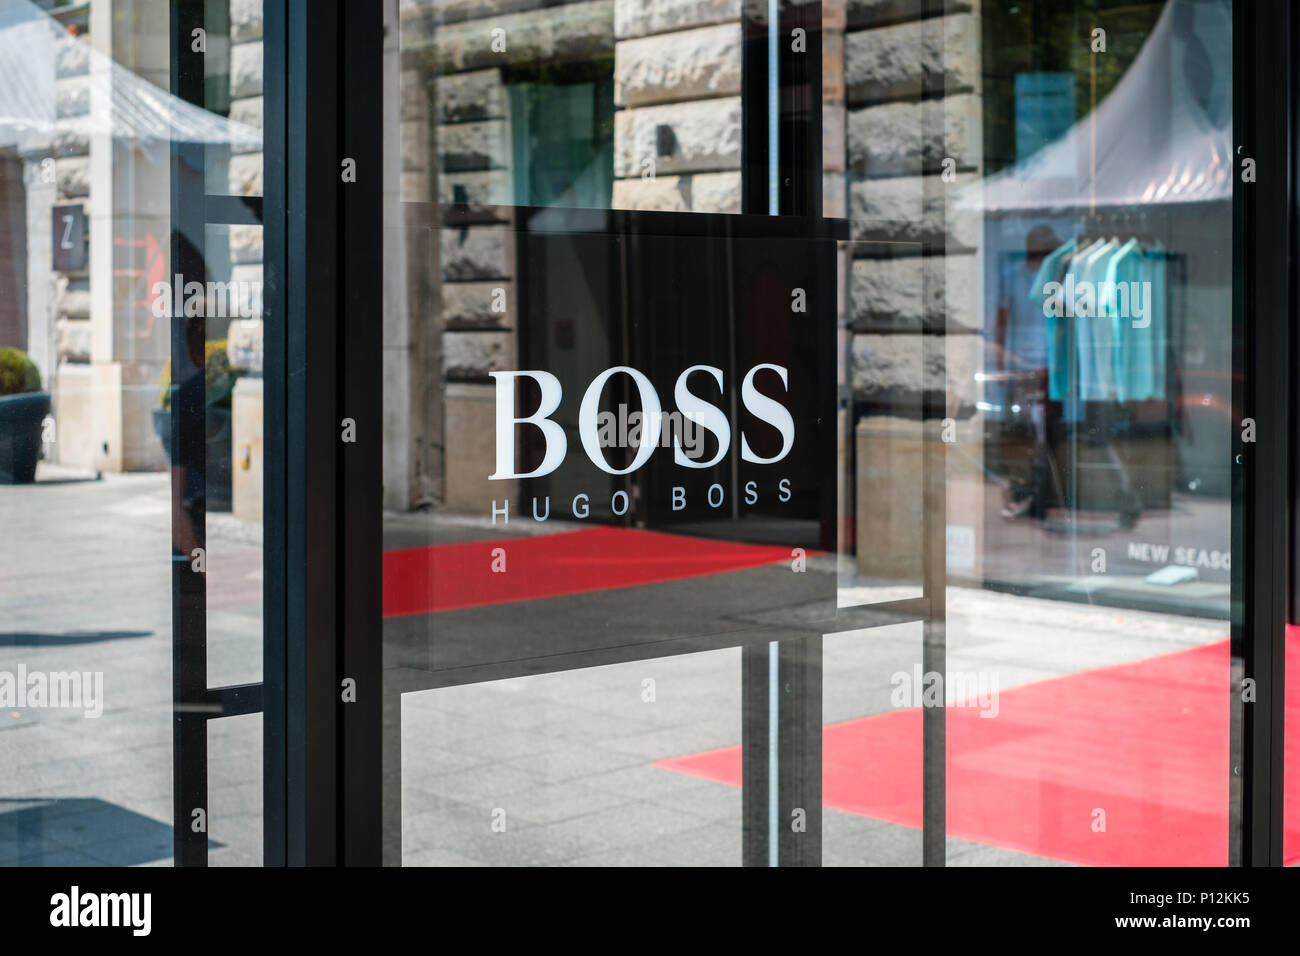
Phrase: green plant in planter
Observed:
(218, 375)
(18, 373)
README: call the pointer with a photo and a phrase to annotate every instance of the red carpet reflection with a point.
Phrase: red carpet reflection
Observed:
(447, 577)
(1145, 742)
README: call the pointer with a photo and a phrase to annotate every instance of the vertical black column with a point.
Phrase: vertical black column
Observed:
(361, 492)
(312, 315)
(799, 190)
(277, 438)
(934, 466)
(754, 108)
(1264, 218)
(798, 171)
(799, 51)
(754, 663)
(302, 158)
(188, 465)
(324, 388)
(799, 744)
(754, 754)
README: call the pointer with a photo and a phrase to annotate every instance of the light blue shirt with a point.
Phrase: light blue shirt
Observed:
(1058, 342)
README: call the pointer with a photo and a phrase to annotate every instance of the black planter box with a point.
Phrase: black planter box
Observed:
(21, 422)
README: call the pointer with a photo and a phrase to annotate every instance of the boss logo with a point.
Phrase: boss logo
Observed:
(690, 406)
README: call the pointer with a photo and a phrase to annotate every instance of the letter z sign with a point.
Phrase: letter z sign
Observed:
(70, 238)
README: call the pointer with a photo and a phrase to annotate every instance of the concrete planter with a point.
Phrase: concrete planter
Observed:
(21, 418)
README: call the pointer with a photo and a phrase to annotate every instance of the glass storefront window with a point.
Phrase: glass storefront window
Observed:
(1039, 202)
(792, 433)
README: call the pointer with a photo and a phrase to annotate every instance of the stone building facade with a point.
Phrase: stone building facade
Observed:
(901, 133)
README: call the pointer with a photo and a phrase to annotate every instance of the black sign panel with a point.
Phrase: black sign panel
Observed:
(676, 381)
(751, 317)
(69, 235)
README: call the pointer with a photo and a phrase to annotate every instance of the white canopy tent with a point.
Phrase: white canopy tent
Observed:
(126, 106)
(1163, 135)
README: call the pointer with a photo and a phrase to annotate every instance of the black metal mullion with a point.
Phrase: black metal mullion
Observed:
(236, 700)
(754, 663)
(360, 504)
(311, 314)
(799, 746)
(799, 662)
(188, 431)
(1264, 216)
(754, 754)
(800, 133)
(277, 440)
(934, 468)
(753, 105)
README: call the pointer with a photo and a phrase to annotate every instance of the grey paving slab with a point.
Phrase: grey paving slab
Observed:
(631, 824)
(557, 803)
(852, 840)
(579, 763)
(715, 844)
(708, 801)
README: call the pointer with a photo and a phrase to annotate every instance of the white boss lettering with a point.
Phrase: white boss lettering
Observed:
(556, 443)
(772, 412)
(589, 433)
(691, 408)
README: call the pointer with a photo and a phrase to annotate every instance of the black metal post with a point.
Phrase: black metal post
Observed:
(1264, 218)
(361, 492)
(188, 453)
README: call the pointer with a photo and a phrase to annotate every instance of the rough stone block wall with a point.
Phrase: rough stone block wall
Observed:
(71, 155)
(244, 173)
(912, 87)
(677, 132)
(472, 152)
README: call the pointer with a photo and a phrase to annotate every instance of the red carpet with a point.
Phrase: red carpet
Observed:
(450, 576)
(1147, 742)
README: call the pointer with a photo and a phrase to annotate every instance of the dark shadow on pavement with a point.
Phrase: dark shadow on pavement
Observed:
(66, 639)
(41, 831)
(68, 481)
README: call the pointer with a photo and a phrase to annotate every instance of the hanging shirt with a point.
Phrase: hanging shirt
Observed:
(1092, 335)
(1052, 270)
(1075, 375)
(1129, 356)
